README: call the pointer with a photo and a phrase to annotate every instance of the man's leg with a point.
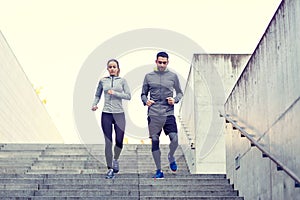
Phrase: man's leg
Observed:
(170, 129)
(155, 124)
(156, 151)
(173, 146)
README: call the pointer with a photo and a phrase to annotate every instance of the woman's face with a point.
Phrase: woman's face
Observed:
(113, 68)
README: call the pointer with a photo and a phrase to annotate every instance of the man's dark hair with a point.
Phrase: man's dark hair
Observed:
(162, 54)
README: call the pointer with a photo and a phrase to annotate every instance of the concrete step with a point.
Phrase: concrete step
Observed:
(19, 153)
(190, 193)
(100, 170)
(191, 198)
(99, 176)
(75, 164)
(14, 170)
(60, 171)
(19, 186)
(72, 198)
(100, 181)
(90, 192)
(133, 191)
(122, 198)
(23, 147)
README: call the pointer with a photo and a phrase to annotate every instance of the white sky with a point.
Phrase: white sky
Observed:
(51, 39)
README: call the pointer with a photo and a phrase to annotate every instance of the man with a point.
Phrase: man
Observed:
(161, 84)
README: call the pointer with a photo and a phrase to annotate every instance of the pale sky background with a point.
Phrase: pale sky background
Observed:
(52, 39)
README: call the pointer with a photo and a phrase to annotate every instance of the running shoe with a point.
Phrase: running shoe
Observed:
(158, 175)
(110, 174)
(173, 166)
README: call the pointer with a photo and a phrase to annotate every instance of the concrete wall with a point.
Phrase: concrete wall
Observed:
(23, 118)
(211, 79)
(266, 101)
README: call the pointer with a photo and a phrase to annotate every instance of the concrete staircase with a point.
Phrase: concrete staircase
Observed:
(75, 171)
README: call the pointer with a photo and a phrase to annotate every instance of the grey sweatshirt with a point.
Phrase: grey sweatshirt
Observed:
(161, 85)
(112, 103)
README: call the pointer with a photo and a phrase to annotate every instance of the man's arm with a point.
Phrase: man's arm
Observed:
(145, 91)
(177, 87)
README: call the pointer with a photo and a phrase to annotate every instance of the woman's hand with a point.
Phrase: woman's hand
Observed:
(110, 92)
(94, 108)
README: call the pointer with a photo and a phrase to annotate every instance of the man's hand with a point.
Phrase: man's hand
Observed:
(171, 100)
(149, 103)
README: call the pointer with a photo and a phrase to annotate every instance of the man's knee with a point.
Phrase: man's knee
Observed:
(173, 137)
(155, 143)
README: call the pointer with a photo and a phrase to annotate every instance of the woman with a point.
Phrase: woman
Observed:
(115, 89)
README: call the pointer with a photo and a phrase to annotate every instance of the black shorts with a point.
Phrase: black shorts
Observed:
(157, 123)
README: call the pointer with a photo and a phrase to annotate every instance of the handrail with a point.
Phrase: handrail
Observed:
(264, 151)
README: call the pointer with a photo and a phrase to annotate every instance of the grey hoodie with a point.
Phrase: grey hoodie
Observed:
(112, 103)
(161, 85)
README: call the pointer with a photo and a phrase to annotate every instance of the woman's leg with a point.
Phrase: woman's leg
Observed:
(119, 127)
(106, 123)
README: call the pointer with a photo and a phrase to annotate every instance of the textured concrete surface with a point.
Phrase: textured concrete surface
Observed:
(266, 101)
(211, 80)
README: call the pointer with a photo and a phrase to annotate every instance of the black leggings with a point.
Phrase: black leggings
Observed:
(107, 122)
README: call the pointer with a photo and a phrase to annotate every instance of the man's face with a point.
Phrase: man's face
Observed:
(162, 63)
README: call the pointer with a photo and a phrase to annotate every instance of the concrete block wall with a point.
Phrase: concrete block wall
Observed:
(212, 78)
(23, 117)
(266, 101)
